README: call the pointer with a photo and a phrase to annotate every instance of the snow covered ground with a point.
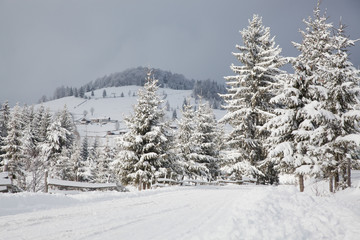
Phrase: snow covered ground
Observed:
(203, 212)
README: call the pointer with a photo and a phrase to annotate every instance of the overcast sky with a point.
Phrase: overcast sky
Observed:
(45, 44)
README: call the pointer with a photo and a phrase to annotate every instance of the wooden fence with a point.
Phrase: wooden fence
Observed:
(5, 182)
(82, 186)
(162, 182)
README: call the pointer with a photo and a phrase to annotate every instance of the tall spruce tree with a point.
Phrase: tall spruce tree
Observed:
(309, 123)
(144, 149)
(247, 100)
(342, 130)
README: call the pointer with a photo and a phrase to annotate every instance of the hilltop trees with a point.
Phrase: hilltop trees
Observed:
(249, 92)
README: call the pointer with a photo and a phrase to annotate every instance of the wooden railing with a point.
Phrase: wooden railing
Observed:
(82, 186)
(162, 182)
(5, 182)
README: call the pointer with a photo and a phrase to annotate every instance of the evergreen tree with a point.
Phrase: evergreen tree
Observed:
(76, 92)
(104, 93)
(174, 115)
(103, 173)
(75, 160)
(309, 119)
(12, 148)
(82, 92)
(249, 92)
(44, 125)
(34, 167)
(84, 172)
(205, 139)
(185, 146)
(143, 152)
(53, 146)
(340, 145)
(4, 121)
(67, 122)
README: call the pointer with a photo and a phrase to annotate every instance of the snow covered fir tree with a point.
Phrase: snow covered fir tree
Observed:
(313, 132)
(144, 150)
(247, 101)
(198, 142)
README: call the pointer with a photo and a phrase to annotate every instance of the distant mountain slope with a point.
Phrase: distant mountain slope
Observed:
(136, 76)
(117, 104)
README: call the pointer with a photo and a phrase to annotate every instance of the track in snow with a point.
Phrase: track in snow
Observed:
(237, 212)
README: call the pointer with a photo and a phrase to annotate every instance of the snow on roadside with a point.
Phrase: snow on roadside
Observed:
(229, 212)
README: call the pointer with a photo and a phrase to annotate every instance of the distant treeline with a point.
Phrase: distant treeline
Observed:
(208, 89)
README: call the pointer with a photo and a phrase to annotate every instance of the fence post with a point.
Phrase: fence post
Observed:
(46, 181)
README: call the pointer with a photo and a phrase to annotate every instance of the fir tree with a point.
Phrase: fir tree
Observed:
(249, 92)
(185, 146)
(308, 120)
(103, 173)
(143, 152)
(340, 146)
(53, 146)
(67, 123)
(4, 121)
(12, 148)
(84, 172)
(205, 140)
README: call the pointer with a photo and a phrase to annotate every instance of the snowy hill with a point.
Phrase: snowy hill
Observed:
(114, 107)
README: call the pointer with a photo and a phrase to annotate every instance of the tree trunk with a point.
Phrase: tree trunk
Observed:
(301, 182)
(46, 181)
(336, 179)
(349, 173)
(331, 185)
(140, 184)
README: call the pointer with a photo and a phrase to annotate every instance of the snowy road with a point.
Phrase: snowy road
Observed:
(233, 212)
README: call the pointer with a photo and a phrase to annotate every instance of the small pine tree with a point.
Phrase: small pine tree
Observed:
(84, 172)
(174, 115)
(103, 171)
